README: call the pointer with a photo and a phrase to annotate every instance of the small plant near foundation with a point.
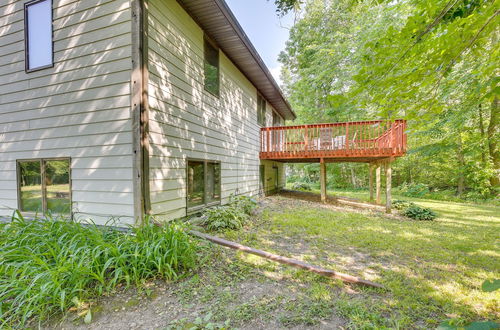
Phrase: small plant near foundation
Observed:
(224, 217)
(231, 216)
(247, 204)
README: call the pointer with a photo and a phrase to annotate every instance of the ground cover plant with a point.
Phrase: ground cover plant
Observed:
(48, 266)
(230, 216)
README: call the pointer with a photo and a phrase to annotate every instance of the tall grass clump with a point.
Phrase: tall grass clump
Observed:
(46, 265)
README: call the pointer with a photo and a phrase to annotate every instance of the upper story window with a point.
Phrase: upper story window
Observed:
(261, 110)
(38, 34)
(277, 120)
(211, 67)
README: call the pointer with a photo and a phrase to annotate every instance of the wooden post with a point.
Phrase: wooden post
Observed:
(322, 179)
(370, 182)
(388, 178)
(377, 179)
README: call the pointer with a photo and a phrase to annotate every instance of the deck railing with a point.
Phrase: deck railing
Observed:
(370, 139)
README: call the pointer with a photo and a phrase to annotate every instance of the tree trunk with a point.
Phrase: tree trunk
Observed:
(353, 178)
(461, 167)
(483, 134)
(494, 153)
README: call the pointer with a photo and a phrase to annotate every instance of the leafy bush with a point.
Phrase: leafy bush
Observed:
(229, 216)
(401, 205)
(48, 266)
(414, 189)
(419, 213)
(304, 186)
(247, 204)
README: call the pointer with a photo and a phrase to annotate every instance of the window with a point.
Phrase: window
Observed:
(277, 121)
(204, 183)
(211, 68)
(44, 186)
(38, 34)
(261, 110)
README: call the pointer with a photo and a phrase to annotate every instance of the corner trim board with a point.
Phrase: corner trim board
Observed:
(140, 108)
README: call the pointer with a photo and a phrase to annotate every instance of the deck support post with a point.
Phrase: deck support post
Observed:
(322, 179)
(388, 178)
(370, 182)
(377, 183)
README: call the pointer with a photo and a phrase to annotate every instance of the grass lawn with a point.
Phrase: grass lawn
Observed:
(432, 270)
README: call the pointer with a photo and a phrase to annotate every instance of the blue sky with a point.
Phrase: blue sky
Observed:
(266, 31)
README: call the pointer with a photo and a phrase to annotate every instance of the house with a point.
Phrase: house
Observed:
(121, 108)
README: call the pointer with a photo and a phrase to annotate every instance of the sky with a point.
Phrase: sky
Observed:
(264, 28)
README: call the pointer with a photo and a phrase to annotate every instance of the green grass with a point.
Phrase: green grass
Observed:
(48, 266)
(433, 270)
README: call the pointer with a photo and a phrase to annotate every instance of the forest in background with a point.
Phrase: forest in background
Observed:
(432, 62)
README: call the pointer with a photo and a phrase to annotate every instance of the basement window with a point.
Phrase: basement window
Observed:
(44, 186)
(38, 35)
(204, 183)
(211, 67)
(261, 110)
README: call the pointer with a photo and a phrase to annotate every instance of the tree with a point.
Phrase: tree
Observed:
(434, 63)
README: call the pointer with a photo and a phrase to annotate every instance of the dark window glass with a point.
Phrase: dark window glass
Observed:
(211, 67)
(276, 119)
(213, 182)
(57, 186)
(44, 186)
(38, 34)
(262, 175)
(30, 186)
(196, 183)
(204, 183)
(261, 110)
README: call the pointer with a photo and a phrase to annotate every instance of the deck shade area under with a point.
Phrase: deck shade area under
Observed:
(375, 142)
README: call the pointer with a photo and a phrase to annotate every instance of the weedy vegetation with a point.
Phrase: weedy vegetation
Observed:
(47, 266)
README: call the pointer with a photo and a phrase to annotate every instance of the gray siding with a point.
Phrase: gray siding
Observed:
(188, 122)
(80, 108)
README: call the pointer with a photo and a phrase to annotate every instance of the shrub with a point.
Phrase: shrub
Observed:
(414, 189)
(401, 205)
(419, 213)
(304, 186)
(48, 266)
(229, 216)
(247, 204)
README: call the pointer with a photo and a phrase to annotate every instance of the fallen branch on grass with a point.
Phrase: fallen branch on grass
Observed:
(287, 261)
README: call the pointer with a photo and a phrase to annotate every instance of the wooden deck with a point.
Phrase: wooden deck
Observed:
(361, 141)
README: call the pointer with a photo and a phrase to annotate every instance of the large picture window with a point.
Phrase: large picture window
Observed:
(204, 183)
(261, 110)
(38, 34)
(211, 68)
(44, 186)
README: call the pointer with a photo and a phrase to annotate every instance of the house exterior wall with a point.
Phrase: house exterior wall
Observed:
(80, 108)
(188, 122)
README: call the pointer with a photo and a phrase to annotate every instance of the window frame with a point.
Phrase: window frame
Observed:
(43, 184)
(26, 37)
(194, 209)
(207, 41)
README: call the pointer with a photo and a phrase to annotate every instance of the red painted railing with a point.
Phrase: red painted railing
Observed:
(361, 139)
